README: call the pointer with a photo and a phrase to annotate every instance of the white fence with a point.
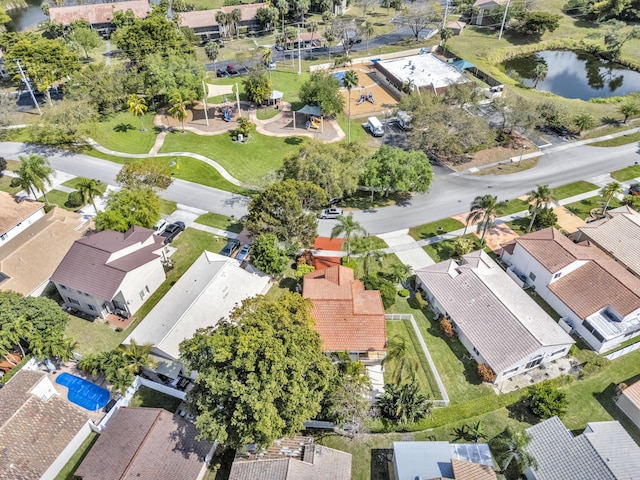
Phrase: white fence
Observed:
(623, 351)
(443, 391)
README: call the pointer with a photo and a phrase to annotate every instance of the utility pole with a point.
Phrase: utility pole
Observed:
(28, 84)
(299, 53)
(504, 19)
(446, 10)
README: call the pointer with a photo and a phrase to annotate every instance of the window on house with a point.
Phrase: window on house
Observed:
(511, 371)
(558, 352)
(475, 350)
(73, 301)
(532, 276)
(534, 363)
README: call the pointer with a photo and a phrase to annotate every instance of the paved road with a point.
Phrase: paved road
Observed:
(449, 195)
(191, 194)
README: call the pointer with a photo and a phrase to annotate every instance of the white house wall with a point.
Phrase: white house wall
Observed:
(149, 275)
(21, 227)
(84, 300)
(64, 457)
(630, 410)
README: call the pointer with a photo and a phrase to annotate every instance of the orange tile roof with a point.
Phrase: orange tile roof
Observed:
(348, 317)
(325, 243)
(325, 262)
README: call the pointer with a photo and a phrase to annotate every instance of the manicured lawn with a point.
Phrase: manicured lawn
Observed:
(58, 197)
(167, 207)
(433, 229)
(121, 132)
(73, 183)
(582, 208)
(222, 222)
(93, 337)
(617, 141)
(626, 173)
(358, 133)
(266, 113)
(445, 250)
(513, 206)
(288, 82)
(149, 398)
(249, 162)
(378, 243)
(424, 377)
(5, 185)
(571, 189)
(12, 165)
(67, 472)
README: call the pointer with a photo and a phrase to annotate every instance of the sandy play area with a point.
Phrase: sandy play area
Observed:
(384, 101)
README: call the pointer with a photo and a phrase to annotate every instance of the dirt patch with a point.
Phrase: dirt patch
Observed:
(516, 147)
(384, 100)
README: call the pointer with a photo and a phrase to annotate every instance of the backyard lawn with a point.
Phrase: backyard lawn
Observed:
(121, 132)
(149, 398)
(445, 250)
(433, 229)
(222, 222)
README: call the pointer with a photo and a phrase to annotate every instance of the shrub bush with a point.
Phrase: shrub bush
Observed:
(404, 293)
(74, 200)
(546, 401)
(485, 373)
(594, 365)
(447, 327)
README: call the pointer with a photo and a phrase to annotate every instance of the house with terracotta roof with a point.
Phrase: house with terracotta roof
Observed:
(485, 12)
(348, 317)
(99, 15)
(39, 429)
(618, 234)
(146, 443)
(28, 260)
(596, 296)
(204, 23)
(442, 460)
(297, 458)
(497, 322)
(111, 272)
(629, 402)
(603, 451)
(16, 215)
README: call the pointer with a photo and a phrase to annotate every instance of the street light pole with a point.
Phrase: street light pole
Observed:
(504, 19)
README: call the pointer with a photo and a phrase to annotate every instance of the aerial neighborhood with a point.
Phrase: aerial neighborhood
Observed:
(320, 240)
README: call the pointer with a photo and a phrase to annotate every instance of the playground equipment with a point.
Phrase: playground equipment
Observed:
(227, 110)
(368, 98)
(313, 122)
(362, 99)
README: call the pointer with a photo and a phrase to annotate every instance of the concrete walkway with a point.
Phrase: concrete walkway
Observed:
(414, 256)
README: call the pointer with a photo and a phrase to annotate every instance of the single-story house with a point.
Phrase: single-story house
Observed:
(16, 215)
(30, 258)
(497, 322)
(596, 296)
(204, 23)
(629, 402)
(146, 443)
(618, 234)
(485, 13)
(296, 458)
(442, 460)
(456, 27)
(206, 293)
(348, 317)
(99, 15)
(39, 429)
(604, 451)
(111, 272)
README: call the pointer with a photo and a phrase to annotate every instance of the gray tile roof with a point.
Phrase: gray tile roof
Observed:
(605, 451)
(141, 443)
(33, 433)
(97, 264)
(482, 300)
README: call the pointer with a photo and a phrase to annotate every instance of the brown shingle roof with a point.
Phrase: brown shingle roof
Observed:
(472, 471)
(97, 264)
(348, 317)
(598, 283)
(13, 212)
(207, 18)
(98, 13)
(145, 443)
(29, 259)
(33, 433)
(632, 392)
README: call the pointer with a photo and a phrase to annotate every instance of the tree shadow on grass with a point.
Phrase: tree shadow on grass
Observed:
(607, 398)
(520, 411)
(123, 127)
(288, 283)
(610, 121)
(293, 140)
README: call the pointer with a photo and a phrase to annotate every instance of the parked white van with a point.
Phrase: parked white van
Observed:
(374, 126)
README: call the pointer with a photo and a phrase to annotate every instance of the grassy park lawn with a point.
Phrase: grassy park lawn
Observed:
(249, 162)
(583, 208)
(433, 229)
(222, 222)
(571, 189)
(73, 183)
(626, 174)
(617, 141)
(121, 132)
(149, 398)
(445, 250)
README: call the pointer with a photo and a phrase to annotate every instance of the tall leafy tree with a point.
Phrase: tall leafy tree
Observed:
(136, 356)
(178, 107)
(89, 189)
(223, 21)
(266, 55)
(164, 74)
(137, 106)
(323, 89)
(546, 401)
(234, 18)
(65, 123)
(403, 403)
(516, 443)
(350, 81)
(268, 256)
(348, 226)
(608, 192)
(445, 34)
(541, 198)
(84, 37)
(261, 373)
(257, 86)
(34, 174)
(126, 208)
(484, 209)
(212, 49)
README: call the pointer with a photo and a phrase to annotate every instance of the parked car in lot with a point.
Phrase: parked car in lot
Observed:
(331, 213)
(231, 246)
(172, 231)
(231, 70)
(243, 254)
(221, 73)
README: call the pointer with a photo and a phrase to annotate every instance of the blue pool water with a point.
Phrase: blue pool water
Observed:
(86, 394)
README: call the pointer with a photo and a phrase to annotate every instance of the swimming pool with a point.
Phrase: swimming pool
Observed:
(86, 394)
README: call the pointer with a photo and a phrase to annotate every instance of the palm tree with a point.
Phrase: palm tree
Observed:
(403, 403)
(608, 191)
(399, 272)
(541, 197)
(34, 174)
(445, 34)
(404, 366)
(516, 442)
(15, 331)
(222, 19)
(234, 17)
(51, 344)
(136, 356)
(349, 81)
(484, 209)
(367, 30)
(348, 226)
(178, 108)
(267, 58)
(584, 121)
(330, 37)
(628, 109)
(89, 189)
(312, 28)
(539, 73)
(212, 50)
(366, 248)
(137, 106)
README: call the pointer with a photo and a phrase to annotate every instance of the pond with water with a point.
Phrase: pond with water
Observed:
(576, 75)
